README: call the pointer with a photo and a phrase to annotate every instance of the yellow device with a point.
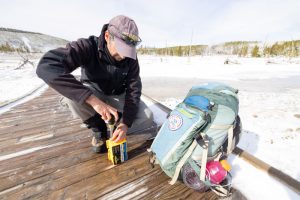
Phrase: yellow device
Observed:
(117, 152)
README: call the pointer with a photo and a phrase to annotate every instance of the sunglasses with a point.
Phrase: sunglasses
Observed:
(128, 38)
(131, 39)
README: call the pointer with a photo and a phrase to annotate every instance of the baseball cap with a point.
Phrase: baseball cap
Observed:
(126, 35)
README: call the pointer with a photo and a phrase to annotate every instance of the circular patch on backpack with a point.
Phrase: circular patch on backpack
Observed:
(175, 122)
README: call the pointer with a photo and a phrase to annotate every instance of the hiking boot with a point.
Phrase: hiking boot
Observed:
(98, 126)
(99, 142)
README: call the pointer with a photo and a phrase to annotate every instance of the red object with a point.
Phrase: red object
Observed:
(215, 172)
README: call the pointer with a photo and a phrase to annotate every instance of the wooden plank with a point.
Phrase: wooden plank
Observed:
(43, 120)
(23, 176)
(31, 112)
(52, 140)
(37, 128)
(35, 170)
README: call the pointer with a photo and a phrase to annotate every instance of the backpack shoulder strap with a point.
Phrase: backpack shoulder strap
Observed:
(204, 144)
(183, 161)
(203, 141)
(230, 140)
(229, 137)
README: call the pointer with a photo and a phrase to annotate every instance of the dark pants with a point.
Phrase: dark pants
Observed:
(143, 120)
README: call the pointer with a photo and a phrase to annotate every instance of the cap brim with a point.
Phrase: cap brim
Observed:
(125, 49)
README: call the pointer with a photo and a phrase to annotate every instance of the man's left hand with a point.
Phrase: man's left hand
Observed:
(120, 133)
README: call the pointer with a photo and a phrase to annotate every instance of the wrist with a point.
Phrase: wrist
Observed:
(122, 124)
(91, 100)
(124, 127)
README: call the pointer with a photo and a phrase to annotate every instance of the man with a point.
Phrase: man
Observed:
(109, 82)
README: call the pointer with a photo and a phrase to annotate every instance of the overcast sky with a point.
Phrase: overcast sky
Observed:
(160, 22)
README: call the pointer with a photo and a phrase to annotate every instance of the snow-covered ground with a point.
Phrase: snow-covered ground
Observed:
(14, 82)
(213, 67)
(270, 112)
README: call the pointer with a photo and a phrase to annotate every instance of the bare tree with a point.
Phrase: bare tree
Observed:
(25, 60)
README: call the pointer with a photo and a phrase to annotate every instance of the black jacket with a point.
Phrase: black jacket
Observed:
(98, 69)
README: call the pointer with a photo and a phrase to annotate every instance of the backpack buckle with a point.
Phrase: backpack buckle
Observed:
(152, 158)
(202, 139)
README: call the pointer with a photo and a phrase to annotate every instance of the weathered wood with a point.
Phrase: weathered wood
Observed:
(45, 166)
(20, 163)
(55, 139)
(64, 166)
(39, 128)
(34, 112)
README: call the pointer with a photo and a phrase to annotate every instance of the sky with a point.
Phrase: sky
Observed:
(160, 23)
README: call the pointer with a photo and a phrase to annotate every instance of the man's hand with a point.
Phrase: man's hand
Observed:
(102, 108)
(120, 133)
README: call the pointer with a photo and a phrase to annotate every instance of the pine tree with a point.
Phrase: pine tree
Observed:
(255, 51)
(244, 51)
(179, 51)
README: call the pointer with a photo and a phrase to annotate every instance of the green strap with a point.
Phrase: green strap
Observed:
(182, 162)
(221, 191)
(204, 158)
(216, 126)
(229, 132)
(185, 113)
(230, 140)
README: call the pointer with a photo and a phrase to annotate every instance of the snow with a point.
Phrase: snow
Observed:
(212, 67)
(14, 82)
(270, 114)
(26, 42)
(256, 184)
(35, 42)
(274, 126)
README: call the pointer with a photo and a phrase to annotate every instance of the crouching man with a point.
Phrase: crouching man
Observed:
(109, 82)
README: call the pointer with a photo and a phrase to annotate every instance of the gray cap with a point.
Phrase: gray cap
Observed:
(126, 35)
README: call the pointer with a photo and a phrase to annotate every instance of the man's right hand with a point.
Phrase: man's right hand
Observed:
(102, 108)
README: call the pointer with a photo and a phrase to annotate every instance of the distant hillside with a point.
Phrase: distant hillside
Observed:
(24, 41)
(240, 48)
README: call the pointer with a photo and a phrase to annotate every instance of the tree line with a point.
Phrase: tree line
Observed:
(174, 51)
(8, 48)
(240, 48)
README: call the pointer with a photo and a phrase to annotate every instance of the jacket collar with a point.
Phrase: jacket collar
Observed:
(101, 40)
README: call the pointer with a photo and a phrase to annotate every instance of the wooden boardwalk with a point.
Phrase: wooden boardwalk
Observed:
(46, 154)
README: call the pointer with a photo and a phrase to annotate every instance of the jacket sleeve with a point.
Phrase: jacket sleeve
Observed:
(133, 94)
(55, 69)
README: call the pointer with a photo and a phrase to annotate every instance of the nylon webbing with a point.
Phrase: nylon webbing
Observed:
(204, 158)
(221, 191)
(230, 140)
(182, 161)
(216, 126)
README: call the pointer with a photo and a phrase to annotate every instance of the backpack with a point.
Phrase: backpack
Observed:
(198, 130)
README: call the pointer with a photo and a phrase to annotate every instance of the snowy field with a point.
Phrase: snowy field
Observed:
(269, 106)
(213, 67)
(14, 82)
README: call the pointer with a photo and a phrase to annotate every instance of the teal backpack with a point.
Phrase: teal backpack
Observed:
(199, 129)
